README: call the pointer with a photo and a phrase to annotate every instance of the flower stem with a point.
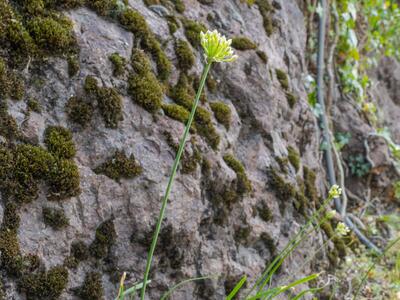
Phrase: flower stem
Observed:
(171, 179)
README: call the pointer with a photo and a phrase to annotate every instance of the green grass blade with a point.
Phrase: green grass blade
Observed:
(132, 290)
(237, 287)
(177, 286)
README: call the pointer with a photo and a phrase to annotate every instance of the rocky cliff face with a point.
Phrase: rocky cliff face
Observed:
(246, 182)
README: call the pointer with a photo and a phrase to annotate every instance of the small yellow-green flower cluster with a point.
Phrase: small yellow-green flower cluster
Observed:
(335, 191)
(342, 229)
(216, 47)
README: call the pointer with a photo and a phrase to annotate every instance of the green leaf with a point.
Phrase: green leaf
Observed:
(236, 288)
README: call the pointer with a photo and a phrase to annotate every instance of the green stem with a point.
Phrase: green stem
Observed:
(171, 179)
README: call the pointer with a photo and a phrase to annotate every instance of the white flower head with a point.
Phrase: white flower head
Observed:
(216, 47)
(342, 229)
(335, 191)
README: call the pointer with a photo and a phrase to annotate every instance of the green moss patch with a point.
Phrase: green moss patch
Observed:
(109, 101)
(34, 105)
(79, 111)
(282, 78)
(294, 157)
(264, 212)
(73, 65)
(118, 62)
(120, 166)
(176, 112)
(59, 142)
(184, 54)
(192, 31)
(309, 183)
(63, 180)
(45, 285)
(243, 183)
(243, 43)
(55, 218)
(80, 250)
(102, 7)
(137, 24)
(179, 5)
(10, 84)
(266, 11)
(92, 287)
(262, 55)
(104, 239)
(222, 113)
(8, 126)
(291, 99)
(146, 91)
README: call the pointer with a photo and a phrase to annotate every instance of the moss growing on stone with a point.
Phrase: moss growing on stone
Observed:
(11, 85)
(173, 24)
(118, 62)
(190, 162)
(283, 163)
(34, 105)
(205, 127)
(137, 24)
(242, 233)
(92, 287)
(265, 10)
(282, 78)
(294, 157)
(264, 212)
(179, 6)
(11, 218)
(284, 190)
(192, 31)
(8, 126)
(52, 34)
(292, 100)
(104, 239)
(338, 242)
(63, 180)
(211, 84)
(243, 43)
(120, 166)
(262, 55)
(243, 183)
(176, 112)
(102, 7)
(180, 92)
(146, 91)
(222, 113)
(79, 111)
(268, 242)
(59, 142)
(45, 285)
(73, 65)
(55, 218)
(109, 101)
(79, 250)
(309, 184)
(140, 61)
(184, 54)
(11, 259)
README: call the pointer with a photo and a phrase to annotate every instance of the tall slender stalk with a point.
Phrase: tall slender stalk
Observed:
(171, 179)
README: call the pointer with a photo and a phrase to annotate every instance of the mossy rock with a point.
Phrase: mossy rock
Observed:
(80, 251)
(243, 43)
(55, 218)
(59, 142)
(284, 190)
(8, 126)
(282, 78)
(184, 54)
(262, 55)
(120, 166)
(180, 92)
(190, 162)
(192, 31)
(73, 65)
(264, 212)
(79, 111)
(52, 34)
(134, 22)
(11, 219)
(243, 183)
(176, 112)
(92, 287)
(309, 183)
(291, 99)
(268, 242)
(266, 11)
(173, 24)
(108, 99)
(11, 259)
(140, 61)
(64, 180)
(45, 285)
(294, 158)
(104, 239)
(34, 105)
(146, 91)
(242, 233)
(11, 85)
(118, 62)
(222, 113)
(179, 6)
(102, 7)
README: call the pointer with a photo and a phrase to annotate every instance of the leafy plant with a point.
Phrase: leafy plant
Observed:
(359, 166)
